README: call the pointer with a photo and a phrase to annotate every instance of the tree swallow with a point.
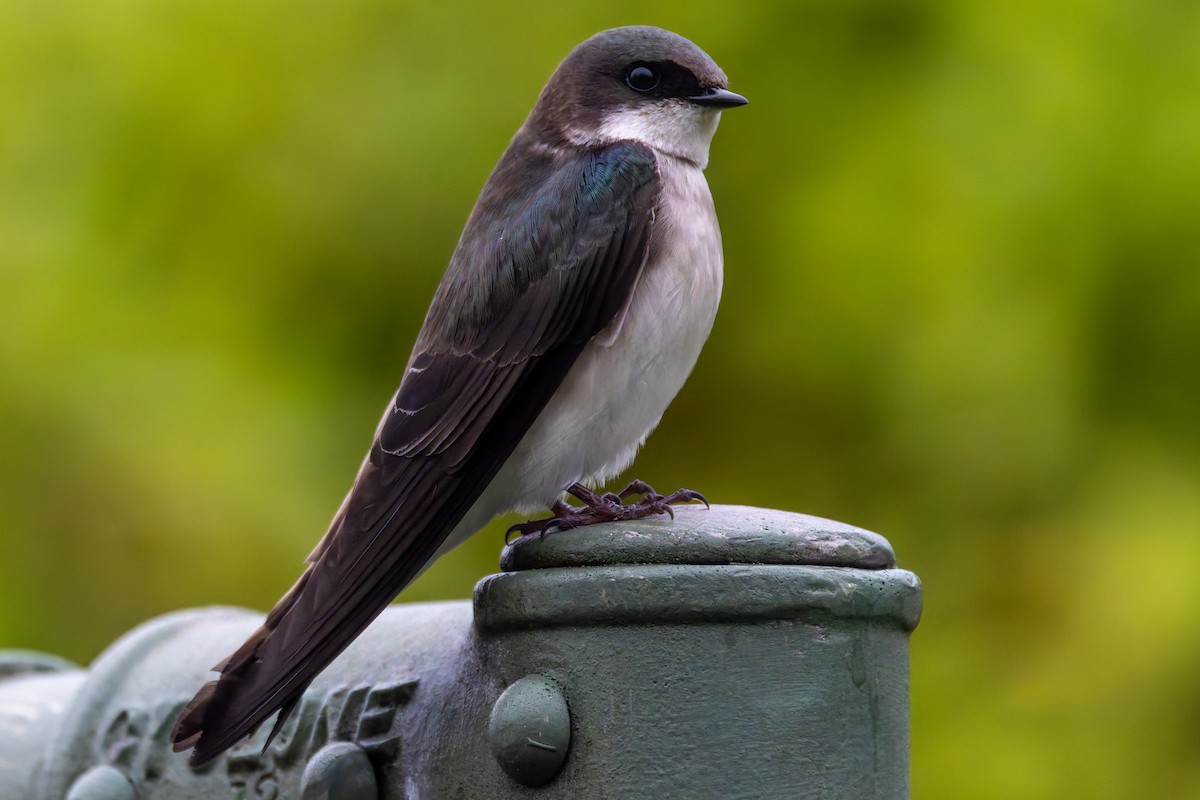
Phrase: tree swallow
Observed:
(575, 305)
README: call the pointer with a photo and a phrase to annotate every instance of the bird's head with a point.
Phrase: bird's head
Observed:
(637, 83)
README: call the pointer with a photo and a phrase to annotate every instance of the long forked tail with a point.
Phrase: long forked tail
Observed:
(388, 529)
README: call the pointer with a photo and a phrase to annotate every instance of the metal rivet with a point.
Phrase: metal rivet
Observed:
(530, 730)
(339, 771)
(102, 783)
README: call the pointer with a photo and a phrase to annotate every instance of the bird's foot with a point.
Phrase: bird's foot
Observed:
(609, 507)
(559, 509)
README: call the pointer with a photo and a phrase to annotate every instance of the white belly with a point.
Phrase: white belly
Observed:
(617, 391)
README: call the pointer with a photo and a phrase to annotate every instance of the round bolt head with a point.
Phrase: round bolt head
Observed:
(339, 771)
(530, 730)
(102, 782)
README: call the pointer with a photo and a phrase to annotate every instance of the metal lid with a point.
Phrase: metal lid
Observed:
(725, 563)
(719, 535)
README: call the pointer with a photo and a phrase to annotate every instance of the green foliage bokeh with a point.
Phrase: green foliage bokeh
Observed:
(962, 308)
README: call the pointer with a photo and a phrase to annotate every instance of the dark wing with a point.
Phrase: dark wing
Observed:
(549, 257)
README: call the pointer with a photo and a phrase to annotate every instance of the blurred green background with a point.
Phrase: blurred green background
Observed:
(962, 309)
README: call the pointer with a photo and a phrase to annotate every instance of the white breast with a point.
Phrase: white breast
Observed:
(617, 391)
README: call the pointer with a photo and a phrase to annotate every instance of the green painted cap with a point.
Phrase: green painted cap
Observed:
(698, 535)
(727, 563)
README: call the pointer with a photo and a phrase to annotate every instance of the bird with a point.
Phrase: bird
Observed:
(572, 310)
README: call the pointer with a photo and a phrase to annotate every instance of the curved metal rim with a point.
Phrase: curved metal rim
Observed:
(658, 593)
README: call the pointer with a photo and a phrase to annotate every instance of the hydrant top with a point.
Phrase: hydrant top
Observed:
(719, 535)
(727, 563)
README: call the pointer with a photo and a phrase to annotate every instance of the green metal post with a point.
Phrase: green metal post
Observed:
(730, 653)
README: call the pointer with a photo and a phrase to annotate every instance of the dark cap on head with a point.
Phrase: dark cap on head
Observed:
(624, 68)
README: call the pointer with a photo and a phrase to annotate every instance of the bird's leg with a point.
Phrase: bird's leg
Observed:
(581, 492)
(609, 507)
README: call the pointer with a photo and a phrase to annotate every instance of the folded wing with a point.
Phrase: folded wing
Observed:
(549, 258)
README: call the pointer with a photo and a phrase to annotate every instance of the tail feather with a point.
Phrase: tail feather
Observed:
(355, 572)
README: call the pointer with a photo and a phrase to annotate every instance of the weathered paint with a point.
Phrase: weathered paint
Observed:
(733, 653)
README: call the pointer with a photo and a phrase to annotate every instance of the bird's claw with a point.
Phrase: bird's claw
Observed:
(608, 507)
(686, 496)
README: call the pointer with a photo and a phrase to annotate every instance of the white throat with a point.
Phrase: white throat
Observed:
(676, 129)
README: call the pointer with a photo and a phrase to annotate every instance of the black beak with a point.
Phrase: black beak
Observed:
(719, 98)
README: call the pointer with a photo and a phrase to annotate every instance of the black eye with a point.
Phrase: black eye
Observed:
(641, 78)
